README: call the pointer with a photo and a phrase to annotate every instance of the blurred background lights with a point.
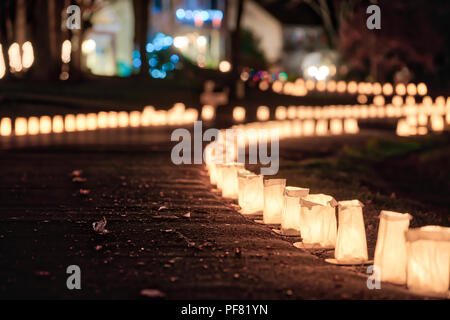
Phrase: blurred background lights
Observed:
(88, 46)
(28, 55)
(224, 66)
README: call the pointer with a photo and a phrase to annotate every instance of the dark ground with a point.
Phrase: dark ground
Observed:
(46, 220)
(46, 224)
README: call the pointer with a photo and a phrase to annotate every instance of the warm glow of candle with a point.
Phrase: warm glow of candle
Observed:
(70, 123)
(5, 126)
(45, 125)
(263, 113)
(352, 87)
(122, 119)
(388, 89)
(2, 63)
(80, 122)
(135, 119)
(57, 124)
(208, 112)
(422, 89)
(112, 119)
(400, 89)
(239, 114)
(91, 121)
(102, 120)
(20, 126)
(351, 126)
(15, 60)
(28, 55)
(33, 125)
(411, 89)
(336, 126)
(280, 113)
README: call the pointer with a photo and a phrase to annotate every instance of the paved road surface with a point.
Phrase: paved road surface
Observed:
(46, 225)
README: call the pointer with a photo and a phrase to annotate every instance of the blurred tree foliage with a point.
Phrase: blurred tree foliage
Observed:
(251, 54)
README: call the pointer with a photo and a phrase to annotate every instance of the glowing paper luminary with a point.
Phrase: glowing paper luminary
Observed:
(80, 122)
(135, 119)
(273, 200)
(58, 124)
(428, 259)
(308, 127)
(5, 126)
(33, 125)
(351, 126)
(290, 219)
(263, 113)
(437, 123)
(20, 126)
(280, 113)
(318, 224)
(336, 126)
(230, 180)
(322, 127)
(208, 112)
(122, 119)
(102, 120)
(91, 121)
(45, 124)
(351, 245)
(251, 193)
(390, 251)
(69, 123)
(239, 114)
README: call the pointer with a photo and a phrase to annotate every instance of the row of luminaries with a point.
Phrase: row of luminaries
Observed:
(418, 257)
(177, 115)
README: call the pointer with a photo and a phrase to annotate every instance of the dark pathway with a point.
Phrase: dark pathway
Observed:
(167, 229)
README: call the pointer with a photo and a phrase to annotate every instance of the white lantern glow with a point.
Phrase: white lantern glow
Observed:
(390, 251)
(58, 124)
(263, 113)
(239, 114)
(80, 122)
(351, 244)
(45, 124)
(336, 126)
(5, 126)
(351, 126)
(318, 224)
(273, 200)
(20, 126)
(290, 220)
(208, 112)
(69, 123)
(251, 193)
(33, 125)
(230, 180)
(428, 260)
(91, 121)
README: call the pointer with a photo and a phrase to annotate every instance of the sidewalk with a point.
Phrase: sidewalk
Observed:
(168, 230)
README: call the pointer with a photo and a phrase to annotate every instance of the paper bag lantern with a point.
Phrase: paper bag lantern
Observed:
(251, 192)
(273, 200)
(230, 180)
(428, 266)
(290, 220)
(390, 251)
(351, 244)
(318, 220)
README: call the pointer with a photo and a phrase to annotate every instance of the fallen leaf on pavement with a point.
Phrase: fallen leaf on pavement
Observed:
(99, 226)
(152, 293)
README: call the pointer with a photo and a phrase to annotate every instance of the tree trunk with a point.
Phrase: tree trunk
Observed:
(5, 32)
(141, 13)
(236, 49)
(45, 37)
